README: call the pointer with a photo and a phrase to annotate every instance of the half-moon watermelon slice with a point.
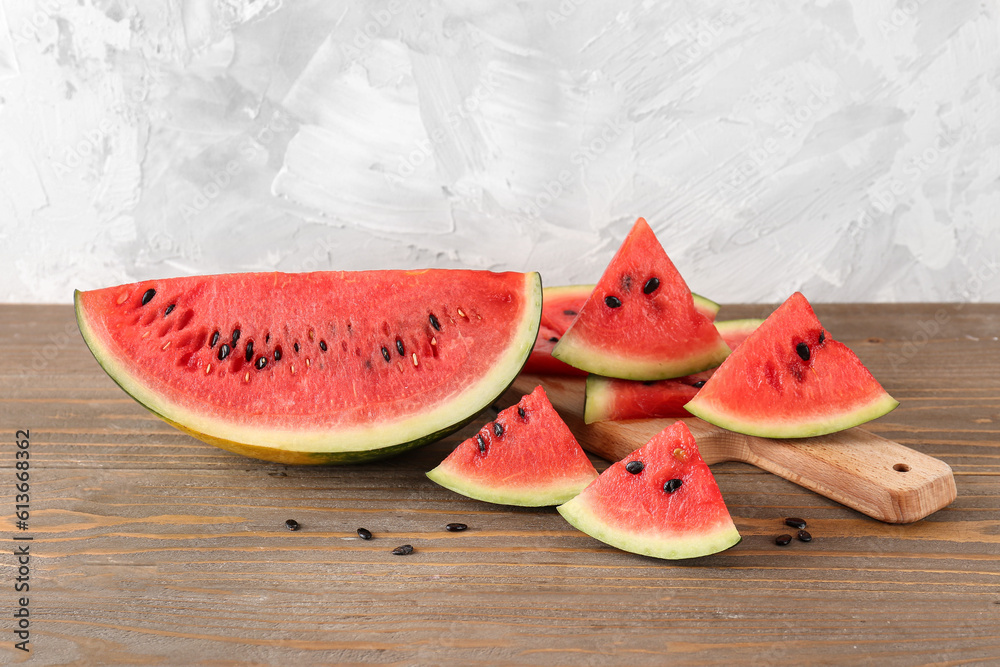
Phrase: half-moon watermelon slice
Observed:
(324, 367)
(527, 456)
(790, 379)
(613, 399)
(661, 500)
(640, 322)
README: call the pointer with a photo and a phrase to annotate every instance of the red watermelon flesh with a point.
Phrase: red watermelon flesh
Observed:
(669, 506)
(612, 399)
(791, 379)
(527, 456)
(640, 322)
(321, 367)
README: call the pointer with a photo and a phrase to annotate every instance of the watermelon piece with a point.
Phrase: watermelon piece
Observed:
(640, 322)
(612, 399)
(324, 367)
(670, 507)
(560, 306)
(527, 456)
(791, 379)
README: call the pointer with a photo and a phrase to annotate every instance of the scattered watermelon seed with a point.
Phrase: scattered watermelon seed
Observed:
(223, 352)
(794, 522)
(364, 533)
(166, 345)
(415, 362)
(803, 351)
(481, 443)
(672, 485)
(246, 378)
(145, 335)
(461, 314)
(650, 285)
(236, 336)
(699, 384)
(404, 550)
(822, 337)
(435, 323)
(322, 345)
(292, 524)
(497, 429)
(296, 347)
(804, 536)
(267, 339)
(148, 295)
(215, 339)
(261, 362)
(208, 369)
(169, 309)
(680, 454)
(634, 467)
(783, 540)
(277, 353)
(400, 348)
(570, 313)
(455, 527)
(249, 354)
(612, 302)
(553, 339)
(521, 412)
(385, 354)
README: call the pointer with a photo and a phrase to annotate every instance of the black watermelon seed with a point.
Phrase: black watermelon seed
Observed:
(215, 339)
(277, 354)
(267, 339)
(497, 429)
(553, 339)
(794, 522)
(481, 443)
(223, 352)
(650, 285)
(292, 524)
(249, 354)
(435, 323)
(385, 354)
(783, 540)
(296, 347)
(261, 362)
(399, 347)
(364, 533)
(803, 351)
(322, 345)
(804, 536)
(148, 295)
(822, 337)
(236, 336)
(635, 467)
(521, 412)
(404, 550)
(570, 313)
(699, 384)
(672, 485)
(169, 309)
(455, 527)
(612, 302)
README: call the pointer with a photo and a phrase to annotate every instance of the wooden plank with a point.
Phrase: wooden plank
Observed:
(152, 547)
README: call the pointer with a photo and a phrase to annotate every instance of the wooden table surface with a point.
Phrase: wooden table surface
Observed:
(150, 547)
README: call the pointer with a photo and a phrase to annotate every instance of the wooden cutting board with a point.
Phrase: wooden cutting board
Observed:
(856, 468)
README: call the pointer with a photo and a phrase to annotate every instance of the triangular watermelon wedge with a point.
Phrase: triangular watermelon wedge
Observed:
(640, 322)
(790, 379)
(661, 500)
(527, 456)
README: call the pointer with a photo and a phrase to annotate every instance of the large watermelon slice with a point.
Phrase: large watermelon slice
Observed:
(560, 306)
(640, 322)
(527, 456)
(324, 367)
(661, 500)
(790, 379)
(613, 399)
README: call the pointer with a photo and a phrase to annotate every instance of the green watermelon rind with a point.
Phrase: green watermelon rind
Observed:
(657, 544)
(628, 367)
(357, 446)
(769, 427)
(525, 496)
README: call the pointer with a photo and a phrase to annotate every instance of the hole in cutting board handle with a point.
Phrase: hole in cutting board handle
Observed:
(901, 467)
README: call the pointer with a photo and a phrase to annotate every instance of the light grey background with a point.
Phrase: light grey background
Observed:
(846, 148)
